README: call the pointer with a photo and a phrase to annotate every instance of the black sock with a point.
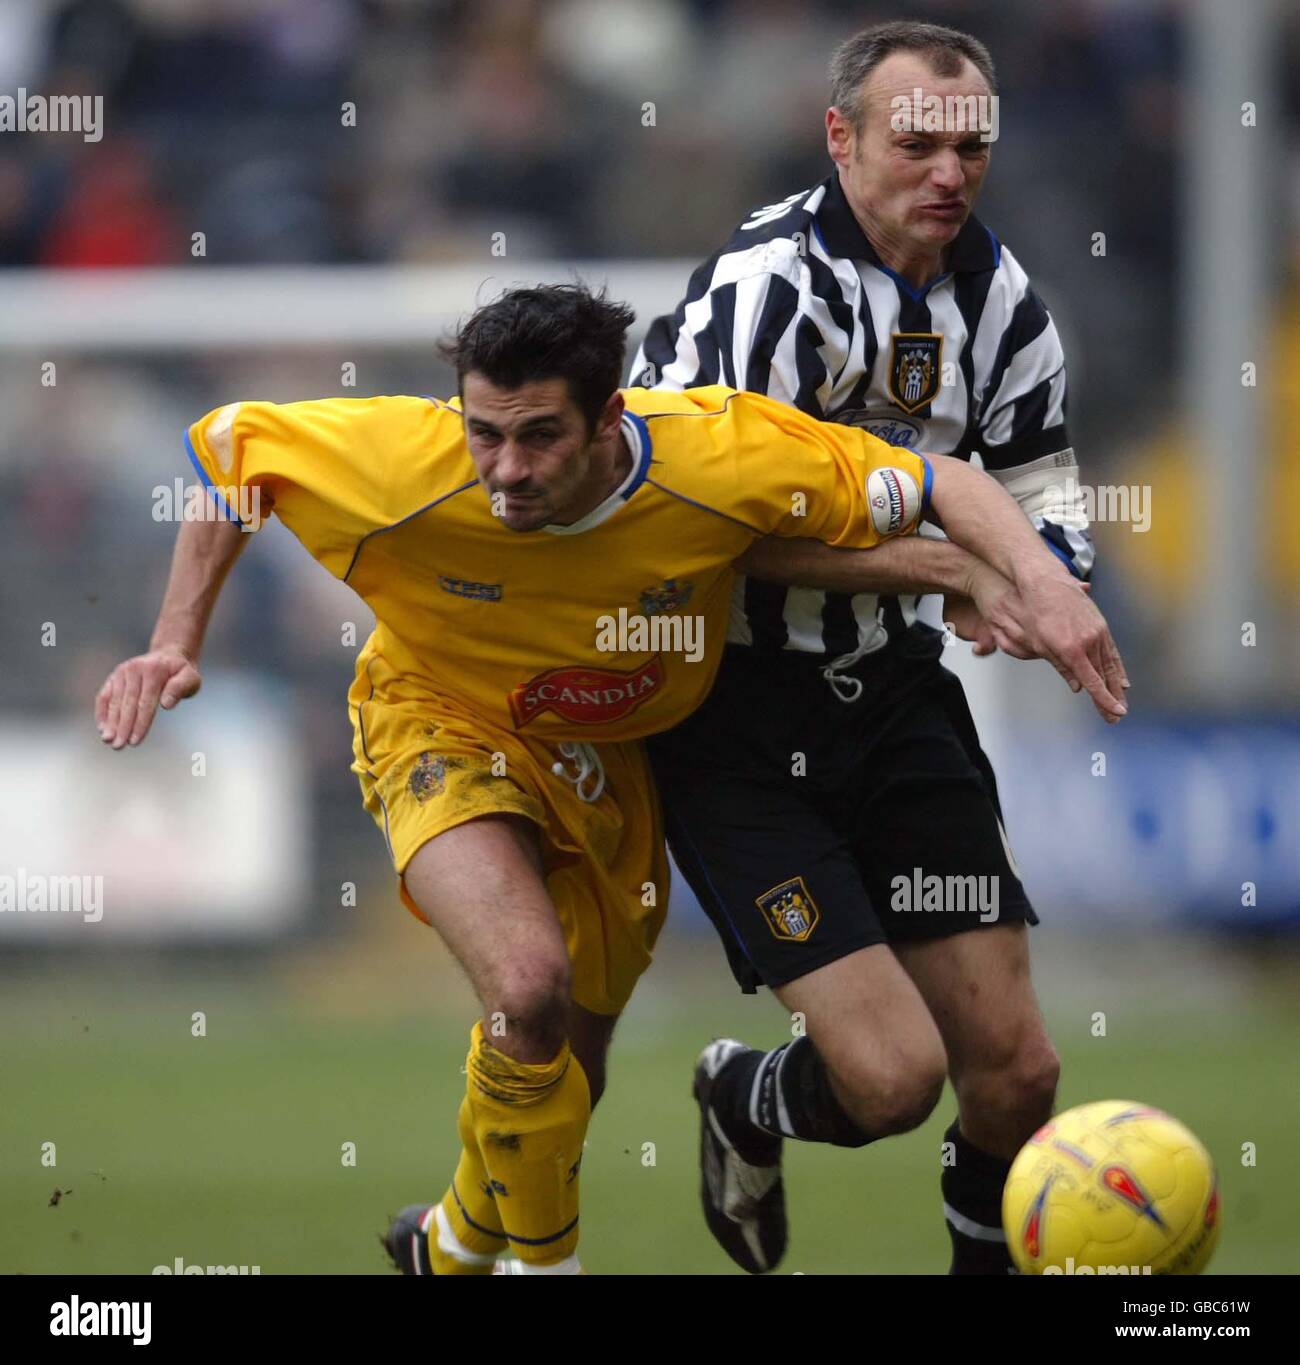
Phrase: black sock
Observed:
(972, 1206)
(761, 1097)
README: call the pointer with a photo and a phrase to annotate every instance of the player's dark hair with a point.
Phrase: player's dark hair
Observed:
(555, 331)
(944, 48)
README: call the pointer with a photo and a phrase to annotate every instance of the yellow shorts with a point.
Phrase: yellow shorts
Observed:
(428, 764)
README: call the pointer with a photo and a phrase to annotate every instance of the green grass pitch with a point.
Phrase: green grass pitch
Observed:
(227, 1149)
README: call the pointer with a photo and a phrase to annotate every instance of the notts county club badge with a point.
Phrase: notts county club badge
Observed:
(790, 911)
(914, 369)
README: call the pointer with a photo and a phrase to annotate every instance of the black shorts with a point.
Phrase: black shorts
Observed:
(809, 827)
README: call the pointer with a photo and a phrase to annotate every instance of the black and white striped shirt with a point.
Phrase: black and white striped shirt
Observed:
(797, 305)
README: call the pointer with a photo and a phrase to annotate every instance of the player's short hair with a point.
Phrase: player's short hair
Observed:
(944, 48)
(555, 331)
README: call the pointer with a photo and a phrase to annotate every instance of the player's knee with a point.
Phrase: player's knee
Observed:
(893, 1096)
(907, 1101)
(1034, 1078)
(1016, 1095)
(527, 1002)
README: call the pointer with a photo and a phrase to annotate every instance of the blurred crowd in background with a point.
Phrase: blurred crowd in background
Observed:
(322, 132)
(527, 118)
(527, 115)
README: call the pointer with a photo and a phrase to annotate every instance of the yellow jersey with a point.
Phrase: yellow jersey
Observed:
(606, 630)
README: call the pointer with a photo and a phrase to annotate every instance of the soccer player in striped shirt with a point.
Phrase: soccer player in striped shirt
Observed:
(836, 754)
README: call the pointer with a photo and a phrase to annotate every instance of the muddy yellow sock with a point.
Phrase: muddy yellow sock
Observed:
(530, 1121)
(465, 1234)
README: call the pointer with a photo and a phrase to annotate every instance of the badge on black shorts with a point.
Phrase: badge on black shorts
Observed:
(914, 369)
(791, 913)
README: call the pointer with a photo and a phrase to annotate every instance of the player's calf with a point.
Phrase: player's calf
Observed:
(1004, 1072)
(1000, 1103)
(589, 1037)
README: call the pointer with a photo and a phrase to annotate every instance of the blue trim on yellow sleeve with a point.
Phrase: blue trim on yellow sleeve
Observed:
(216, 493)
(926, 485)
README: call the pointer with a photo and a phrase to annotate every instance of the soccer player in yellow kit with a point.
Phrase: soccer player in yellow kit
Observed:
(549, 561)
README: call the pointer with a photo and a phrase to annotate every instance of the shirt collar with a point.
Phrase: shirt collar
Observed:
(637, 436)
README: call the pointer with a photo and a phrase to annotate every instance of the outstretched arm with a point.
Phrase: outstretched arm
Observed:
(912, 564)
(1062, 624)
(129, 699)
(907, 564)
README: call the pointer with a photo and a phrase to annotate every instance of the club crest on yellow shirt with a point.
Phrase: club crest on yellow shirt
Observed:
(662, 601)
(791, 913)
(914, 369)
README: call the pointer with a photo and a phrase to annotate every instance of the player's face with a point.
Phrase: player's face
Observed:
(914, 187)
(531, 447)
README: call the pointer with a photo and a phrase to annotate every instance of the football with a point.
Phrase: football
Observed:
(1112, 1188)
